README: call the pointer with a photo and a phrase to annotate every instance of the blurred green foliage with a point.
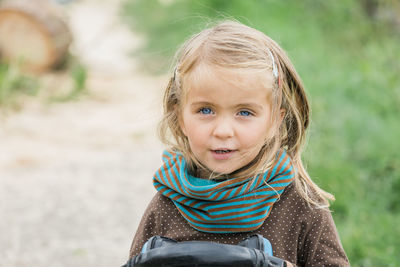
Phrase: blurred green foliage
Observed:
(78, 75)
(15, 84)
(350, 65)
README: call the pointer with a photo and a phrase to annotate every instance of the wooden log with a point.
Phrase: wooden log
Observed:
(33, 33)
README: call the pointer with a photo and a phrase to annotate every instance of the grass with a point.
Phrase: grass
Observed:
(78, 75)
(350, 65)
(16, 84)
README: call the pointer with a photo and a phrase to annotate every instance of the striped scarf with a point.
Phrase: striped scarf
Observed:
(223, 206)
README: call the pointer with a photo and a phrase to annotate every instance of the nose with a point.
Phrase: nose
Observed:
(223, 128)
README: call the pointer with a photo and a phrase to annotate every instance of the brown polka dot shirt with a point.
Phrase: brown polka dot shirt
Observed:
(300, 234)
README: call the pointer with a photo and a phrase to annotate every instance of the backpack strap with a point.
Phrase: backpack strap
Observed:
(163, 251)
(257, 241)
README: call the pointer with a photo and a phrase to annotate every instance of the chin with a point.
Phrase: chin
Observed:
(224, 171)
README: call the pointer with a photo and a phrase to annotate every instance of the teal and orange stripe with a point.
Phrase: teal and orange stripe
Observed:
(232, 205)
(202, 218)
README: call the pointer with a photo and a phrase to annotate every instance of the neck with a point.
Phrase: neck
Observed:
(205, 173)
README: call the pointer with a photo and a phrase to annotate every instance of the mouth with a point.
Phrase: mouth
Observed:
(222, 151)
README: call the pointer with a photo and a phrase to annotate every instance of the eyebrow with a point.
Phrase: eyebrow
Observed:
(250, 104)
(241, 105)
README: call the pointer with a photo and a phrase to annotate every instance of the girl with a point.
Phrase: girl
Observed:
(235, 117)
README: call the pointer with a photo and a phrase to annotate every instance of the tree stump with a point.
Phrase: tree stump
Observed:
(33, 33)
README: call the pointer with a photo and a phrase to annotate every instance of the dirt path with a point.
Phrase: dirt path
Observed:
(76, 177)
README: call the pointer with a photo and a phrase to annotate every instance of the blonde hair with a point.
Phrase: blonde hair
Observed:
(233, 45)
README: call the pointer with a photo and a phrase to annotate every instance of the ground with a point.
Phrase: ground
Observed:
(75, 177)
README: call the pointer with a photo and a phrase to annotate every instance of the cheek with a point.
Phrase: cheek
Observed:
(255, 135)
(194, 131)
(196, 134)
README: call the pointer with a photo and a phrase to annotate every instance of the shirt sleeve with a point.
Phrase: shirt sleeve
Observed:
(147, 228)
(322, 246)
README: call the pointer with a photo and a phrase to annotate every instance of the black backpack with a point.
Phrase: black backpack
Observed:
(254, 251)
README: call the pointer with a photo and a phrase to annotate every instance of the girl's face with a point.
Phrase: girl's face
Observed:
(226, 116)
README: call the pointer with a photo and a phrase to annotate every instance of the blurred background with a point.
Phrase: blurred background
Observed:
(78, 142)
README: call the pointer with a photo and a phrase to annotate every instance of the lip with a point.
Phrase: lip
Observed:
(222, 153)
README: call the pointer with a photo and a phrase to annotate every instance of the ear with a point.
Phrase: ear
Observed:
(180, 119)
(182, 126)
(277, 125)
(282, 114)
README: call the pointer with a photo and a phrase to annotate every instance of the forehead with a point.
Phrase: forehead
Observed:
(227, 83)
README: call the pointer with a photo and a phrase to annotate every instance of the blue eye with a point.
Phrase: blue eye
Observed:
(206, 111)
(244, 113)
